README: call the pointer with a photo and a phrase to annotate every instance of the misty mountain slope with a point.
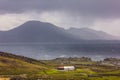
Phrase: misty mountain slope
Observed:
(90, 34)
(36, 31)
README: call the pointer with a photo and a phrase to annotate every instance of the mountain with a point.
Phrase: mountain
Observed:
(36, 31)
(11, 64)
(90, 34)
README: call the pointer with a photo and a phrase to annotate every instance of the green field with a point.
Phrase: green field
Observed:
(23, 68)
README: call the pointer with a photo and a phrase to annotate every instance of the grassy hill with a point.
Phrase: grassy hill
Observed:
(13, 64)
(22, 68)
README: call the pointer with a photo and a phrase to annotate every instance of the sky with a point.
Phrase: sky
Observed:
(103, 15)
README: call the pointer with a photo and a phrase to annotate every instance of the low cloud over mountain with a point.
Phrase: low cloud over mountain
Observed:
(35, 31)
(90, 34)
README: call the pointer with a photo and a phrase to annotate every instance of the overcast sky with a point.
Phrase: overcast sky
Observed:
(97, 14)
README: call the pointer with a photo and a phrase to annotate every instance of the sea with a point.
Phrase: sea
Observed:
(46, 51)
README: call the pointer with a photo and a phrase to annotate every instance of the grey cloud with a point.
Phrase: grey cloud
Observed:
(96, 8)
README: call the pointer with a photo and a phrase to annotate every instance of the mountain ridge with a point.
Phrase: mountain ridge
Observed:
(36, 31)
(90, 34)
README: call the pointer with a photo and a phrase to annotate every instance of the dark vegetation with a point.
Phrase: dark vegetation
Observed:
(23, 58)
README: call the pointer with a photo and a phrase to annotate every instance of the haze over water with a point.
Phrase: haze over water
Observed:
(50, 51)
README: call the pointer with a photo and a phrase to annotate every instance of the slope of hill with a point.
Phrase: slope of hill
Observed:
(13, 64)
(90, 34)
(36, 31)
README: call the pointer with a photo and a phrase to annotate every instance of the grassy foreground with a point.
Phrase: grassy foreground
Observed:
(13, 67)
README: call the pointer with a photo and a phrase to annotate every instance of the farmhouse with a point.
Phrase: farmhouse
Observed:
(66, 68)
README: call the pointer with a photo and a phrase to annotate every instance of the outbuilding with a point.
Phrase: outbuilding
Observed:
(66, 68)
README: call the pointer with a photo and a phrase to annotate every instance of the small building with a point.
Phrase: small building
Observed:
(66, 68)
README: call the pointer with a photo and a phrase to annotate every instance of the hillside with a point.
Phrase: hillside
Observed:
(90, 34)
(16, 67)
(13, 64)
(36, 31)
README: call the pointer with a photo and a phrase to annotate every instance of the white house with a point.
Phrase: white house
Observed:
(66, 68)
